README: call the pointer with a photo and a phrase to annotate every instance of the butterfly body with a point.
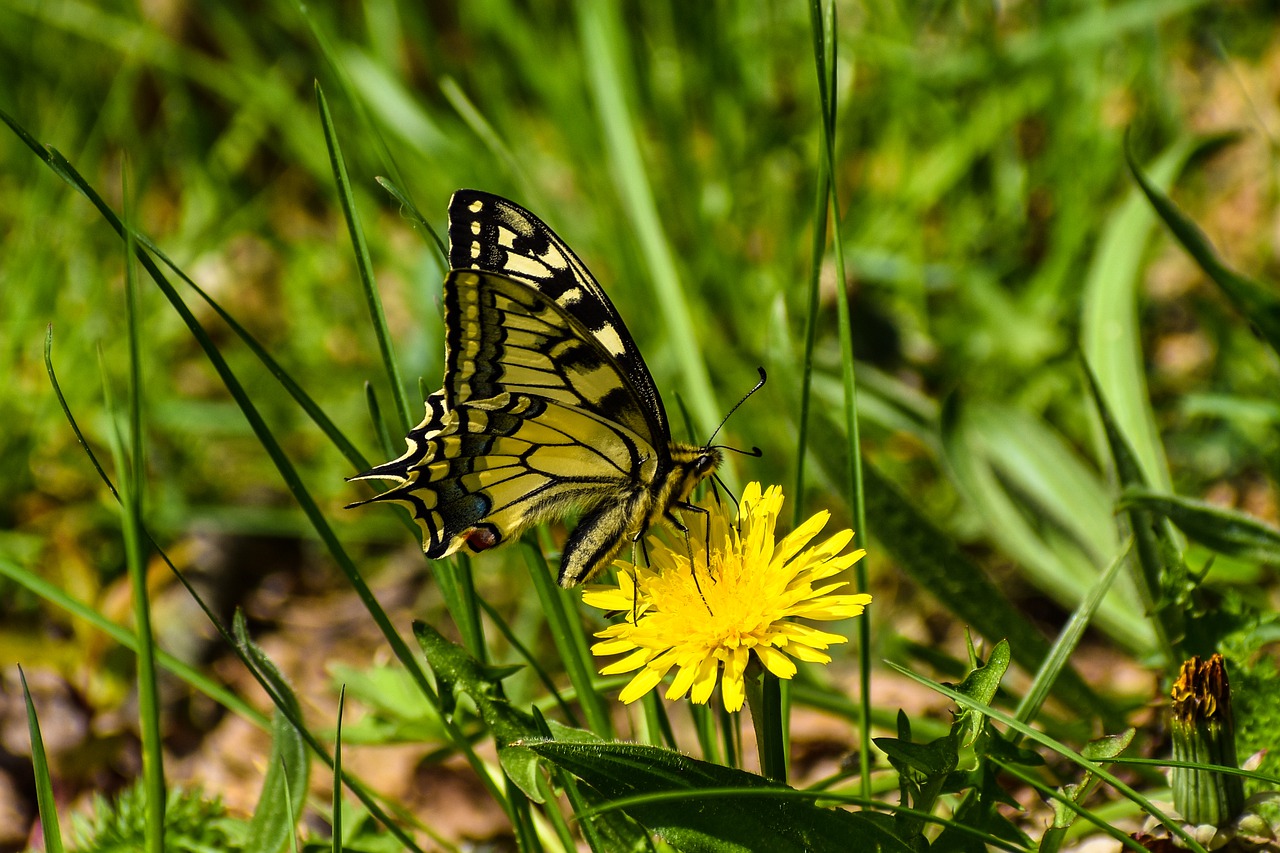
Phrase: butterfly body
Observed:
(547, 407)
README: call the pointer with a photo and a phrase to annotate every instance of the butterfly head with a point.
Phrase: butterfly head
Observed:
(691, 464)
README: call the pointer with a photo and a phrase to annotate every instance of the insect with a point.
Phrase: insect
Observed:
(547, 406)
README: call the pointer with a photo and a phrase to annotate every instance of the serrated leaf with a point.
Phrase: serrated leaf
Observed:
(454, 664)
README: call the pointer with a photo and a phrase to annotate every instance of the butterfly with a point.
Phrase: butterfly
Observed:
(547, 406)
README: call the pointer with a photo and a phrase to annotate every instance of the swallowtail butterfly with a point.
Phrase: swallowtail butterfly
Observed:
(547, 407)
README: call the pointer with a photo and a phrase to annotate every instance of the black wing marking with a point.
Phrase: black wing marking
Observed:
(505, 336)
(490, 233)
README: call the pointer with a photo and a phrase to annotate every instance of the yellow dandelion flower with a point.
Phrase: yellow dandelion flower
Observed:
(742, 605)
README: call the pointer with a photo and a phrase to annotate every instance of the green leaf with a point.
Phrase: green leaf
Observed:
(1258, 302)
(1160, 568)
(699, 821)
(1108, 747)
(1109, 334)
(1226, 531)
(284, 790)
(455, 665)
(923, 770)
(522, 767)
(1103, 749)
(938, 757)
(981, 684)
(1042, 505)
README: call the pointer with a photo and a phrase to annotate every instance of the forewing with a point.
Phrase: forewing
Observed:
(492, 234)
(505, 337)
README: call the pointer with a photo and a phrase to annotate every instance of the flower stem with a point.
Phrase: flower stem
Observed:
(764, 697)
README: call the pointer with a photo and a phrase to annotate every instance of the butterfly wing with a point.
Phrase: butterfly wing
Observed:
(490, 233)
(535, 418)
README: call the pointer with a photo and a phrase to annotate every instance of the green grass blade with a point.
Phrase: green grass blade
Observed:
(458, 588)
(44, 784)
(407, 204)
(337, 774)
(141, 44)
(1051, 840)
(530, 660)
(364, 264)
(1258, 302)
(51, 593)
(304, 400)
(357, 103)
(64, 169)
(288, 768)
(967, 702)
(312, 409)
(937, 563)
(37, 585)
(380, 427)
(569, 638)
(1042, 506)
(480, 126)
(285, 468)
(602, 46)
(818, 250)
(823, 24)
(130, 464)
(1155, 573)
(1109, 333)
(1068, 639)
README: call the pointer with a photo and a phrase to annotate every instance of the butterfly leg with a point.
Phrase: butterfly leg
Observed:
(688, 544)
(635, 583)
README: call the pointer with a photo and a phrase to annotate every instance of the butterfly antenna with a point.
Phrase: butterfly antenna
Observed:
(744, 399)
(754, 452)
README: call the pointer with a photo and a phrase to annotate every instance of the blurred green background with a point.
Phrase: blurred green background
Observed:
(983, 191)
